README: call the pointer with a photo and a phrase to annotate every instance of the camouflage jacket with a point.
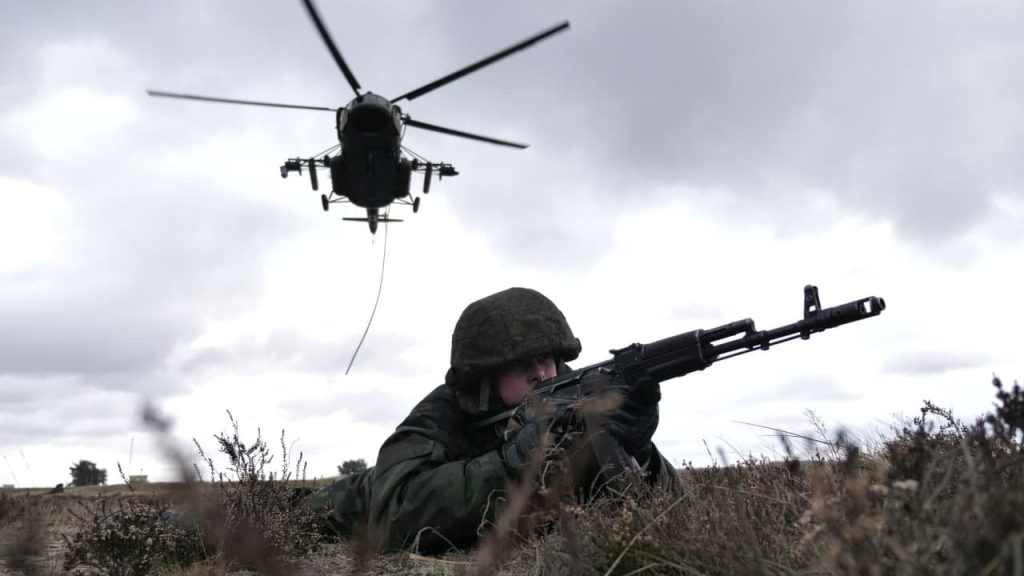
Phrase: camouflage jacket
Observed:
(437, 483)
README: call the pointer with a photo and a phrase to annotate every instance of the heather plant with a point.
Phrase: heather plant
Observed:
(256, 520)
(22, 533)
(941, 497)
(740, 519)
(244, 518)
(128, 536)
(11, 508)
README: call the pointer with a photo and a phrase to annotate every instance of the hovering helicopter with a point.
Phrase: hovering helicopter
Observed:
(371, 168)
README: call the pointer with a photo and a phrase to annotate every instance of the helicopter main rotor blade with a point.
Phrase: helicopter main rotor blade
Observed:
(474, 67)
(230, 101)
(417, 124)
(330, 46)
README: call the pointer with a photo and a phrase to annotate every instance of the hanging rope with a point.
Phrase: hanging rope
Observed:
(380, 287)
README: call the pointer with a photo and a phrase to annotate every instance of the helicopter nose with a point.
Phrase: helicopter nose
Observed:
(369, 118)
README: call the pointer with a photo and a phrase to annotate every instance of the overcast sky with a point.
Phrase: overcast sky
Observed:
(691, 164)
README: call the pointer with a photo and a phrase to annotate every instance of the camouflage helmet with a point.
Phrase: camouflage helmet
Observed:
(504, 327)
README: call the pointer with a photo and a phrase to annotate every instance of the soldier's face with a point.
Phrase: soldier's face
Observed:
(516, 380)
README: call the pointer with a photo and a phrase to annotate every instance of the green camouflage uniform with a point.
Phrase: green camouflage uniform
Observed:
(437, 482)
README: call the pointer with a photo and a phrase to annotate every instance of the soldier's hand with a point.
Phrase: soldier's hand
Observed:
(634, 422)
(534, 435)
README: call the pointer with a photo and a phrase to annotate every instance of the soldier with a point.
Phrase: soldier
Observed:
(437, 476)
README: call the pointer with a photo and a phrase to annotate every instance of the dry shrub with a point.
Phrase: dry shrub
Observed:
(254, 519)
(741, 519)
(938, 497)
(23, 523)
(945, 499)
(127, 536)
(245, 518)
(11, 508)
(209, 567)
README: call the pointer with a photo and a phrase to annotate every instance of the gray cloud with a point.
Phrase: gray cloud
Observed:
(885, 108)
(812, 391)
(902, 113)
(934, 362)
(694, 313)
(367, 405)
(285, 351)
(150, 279)
(87, 336)
(148, 253)
(76, 414)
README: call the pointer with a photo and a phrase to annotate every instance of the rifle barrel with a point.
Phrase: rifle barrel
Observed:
(813, 322)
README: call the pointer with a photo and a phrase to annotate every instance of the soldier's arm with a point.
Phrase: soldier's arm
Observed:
(419, 498)
(663, 474)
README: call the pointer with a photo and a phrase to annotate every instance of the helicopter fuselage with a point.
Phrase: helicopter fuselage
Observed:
(370, 171)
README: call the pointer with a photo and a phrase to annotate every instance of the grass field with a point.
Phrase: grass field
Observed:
(940, 496)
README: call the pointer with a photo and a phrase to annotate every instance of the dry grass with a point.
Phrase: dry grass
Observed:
(30, 540)
(939, 496)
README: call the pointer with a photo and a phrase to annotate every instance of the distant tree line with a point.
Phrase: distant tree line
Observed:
(352, 466)
(86, 473)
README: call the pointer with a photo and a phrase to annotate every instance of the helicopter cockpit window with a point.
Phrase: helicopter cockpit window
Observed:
(342, 119)
(396, 117)
(369, 119)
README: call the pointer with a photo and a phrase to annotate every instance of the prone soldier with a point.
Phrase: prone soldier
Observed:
(509, 396)
(437, 477)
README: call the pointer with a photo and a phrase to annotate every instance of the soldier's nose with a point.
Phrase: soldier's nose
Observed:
(538, 371)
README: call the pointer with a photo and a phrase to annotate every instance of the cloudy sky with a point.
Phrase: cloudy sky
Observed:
(691, 164)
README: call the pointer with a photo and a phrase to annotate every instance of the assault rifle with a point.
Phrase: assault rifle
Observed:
(639, 365)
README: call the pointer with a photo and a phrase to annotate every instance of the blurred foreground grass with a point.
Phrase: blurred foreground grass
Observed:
(938, 496)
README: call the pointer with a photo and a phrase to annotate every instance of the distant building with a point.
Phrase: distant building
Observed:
(7, 487)
(138, 479)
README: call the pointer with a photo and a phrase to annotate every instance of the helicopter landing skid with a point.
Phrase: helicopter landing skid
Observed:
(330, 198)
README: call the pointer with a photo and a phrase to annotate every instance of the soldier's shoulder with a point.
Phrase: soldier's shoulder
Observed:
(438, 408)
(424, 432)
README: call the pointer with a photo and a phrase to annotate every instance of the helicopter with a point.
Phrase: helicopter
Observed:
(371, 169)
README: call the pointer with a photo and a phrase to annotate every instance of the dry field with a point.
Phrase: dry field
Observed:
(939, 496)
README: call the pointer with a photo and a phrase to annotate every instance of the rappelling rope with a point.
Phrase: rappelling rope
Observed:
(380, 287)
